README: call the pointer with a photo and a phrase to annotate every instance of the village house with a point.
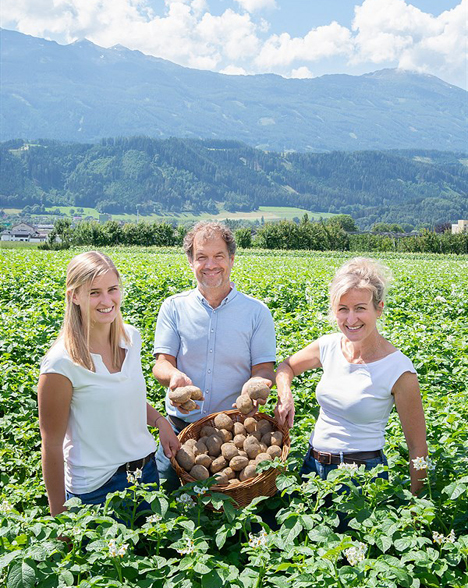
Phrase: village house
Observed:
(27, 233)
(460, 227)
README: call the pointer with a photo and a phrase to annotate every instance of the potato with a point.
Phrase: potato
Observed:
(229, 450)
(200, 449)
(221, 478)
(204, 460)
(207, 431)
(257, 435)
(199, 472)
(274, 451)
(274, 438)
(257, 389)
(244, 404)
(252, 447)
(189, 405)
(196, 393)
(185, 459)
(233, 482)
(225, 435)
(248, 472)
(239, 429)
(218, 464)
(263, 447)
(229, 473)
(239, 441)
(243, 453)
(263, 457)
(250, 424)
(180, 395)
(214, 443)
(224, 421)
(190, 443)
(264, 426)
(203, 439)
(238, 463)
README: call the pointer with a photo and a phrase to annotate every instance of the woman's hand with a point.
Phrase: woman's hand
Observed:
(168, 439)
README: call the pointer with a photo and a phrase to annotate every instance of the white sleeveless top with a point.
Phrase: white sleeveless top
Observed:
(107, 423)
(355, 399)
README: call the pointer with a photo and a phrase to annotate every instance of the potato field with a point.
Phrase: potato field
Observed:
(294, 539)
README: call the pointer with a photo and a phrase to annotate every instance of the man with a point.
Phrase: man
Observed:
(213, 337)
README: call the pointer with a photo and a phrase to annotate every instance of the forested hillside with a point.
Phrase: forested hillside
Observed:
(176, 175)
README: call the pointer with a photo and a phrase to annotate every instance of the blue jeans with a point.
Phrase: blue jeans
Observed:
(117, 483)
(169, 479)
(312, 465)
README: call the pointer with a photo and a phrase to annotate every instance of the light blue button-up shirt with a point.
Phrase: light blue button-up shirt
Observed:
(215, 347)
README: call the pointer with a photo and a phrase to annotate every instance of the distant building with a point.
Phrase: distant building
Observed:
(25, 232)
(460, 227)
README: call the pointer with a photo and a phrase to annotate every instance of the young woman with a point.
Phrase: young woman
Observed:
(93, 413)
(363, 376)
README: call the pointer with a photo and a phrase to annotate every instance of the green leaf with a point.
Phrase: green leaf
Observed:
(383, 543)
(21, 575)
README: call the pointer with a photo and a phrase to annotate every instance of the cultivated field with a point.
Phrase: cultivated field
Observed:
(393, 540)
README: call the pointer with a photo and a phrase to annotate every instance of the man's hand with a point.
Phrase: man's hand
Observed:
(244, 391)
(168, 439)
(284, 410)
(179, 380)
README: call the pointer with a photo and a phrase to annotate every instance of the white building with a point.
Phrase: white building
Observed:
(460, 227)
(24, 232)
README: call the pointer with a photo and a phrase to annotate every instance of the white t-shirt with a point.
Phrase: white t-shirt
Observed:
(107, 423)
(355, 399)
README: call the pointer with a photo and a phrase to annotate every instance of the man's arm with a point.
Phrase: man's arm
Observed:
(166, 373)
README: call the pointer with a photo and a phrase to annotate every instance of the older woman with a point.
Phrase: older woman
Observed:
(363, 376)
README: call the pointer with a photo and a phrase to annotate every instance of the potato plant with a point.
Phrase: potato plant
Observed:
(391, 539)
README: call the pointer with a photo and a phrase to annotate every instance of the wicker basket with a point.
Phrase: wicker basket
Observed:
(263, 484)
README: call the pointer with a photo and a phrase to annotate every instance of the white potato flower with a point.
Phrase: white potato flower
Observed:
(356, 553)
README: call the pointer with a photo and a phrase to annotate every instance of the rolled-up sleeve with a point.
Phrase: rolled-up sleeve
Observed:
(263, 344)
(166, 337)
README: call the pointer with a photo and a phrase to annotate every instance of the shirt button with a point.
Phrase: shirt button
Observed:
(211, 351)
(209, 371)
(212, 330)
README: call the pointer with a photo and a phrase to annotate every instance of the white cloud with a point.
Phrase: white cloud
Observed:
(232, 70)
(400, 33)
(301, 73)
(254, 5)
(325, 41)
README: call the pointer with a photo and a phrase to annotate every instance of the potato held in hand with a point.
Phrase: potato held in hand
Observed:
(244, 404)
(257, 389)
(185, 397)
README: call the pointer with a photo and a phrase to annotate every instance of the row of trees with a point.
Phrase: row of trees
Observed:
(330, 235)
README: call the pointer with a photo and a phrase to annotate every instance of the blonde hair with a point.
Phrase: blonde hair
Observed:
(360, 273)
(82, 270)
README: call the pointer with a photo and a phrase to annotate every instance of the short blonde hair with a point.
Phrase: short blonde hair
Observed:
(360, 273)
(82, 270)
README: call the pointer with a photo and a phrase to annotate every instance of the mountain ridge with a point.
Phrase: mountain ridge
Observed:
(83, 92)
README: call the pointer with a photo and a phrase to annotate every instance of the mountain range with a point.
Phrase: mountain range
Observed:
(83, 93)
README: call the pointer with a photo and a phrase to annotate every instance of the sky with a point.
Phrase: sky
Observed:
(291, 38)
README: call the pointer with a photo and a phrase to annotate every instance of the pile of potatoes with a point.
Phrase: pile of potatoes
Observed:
(230, 450)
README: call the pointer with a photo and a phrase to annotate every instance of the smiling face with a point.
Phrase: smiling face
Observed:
(356, 314)
(101, 299)
(211, 263)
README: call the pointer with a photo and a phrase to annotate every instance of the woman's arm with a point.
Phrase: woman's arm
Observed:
(306, 359)
(167, 437)
(54, 398)
(410, 410)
